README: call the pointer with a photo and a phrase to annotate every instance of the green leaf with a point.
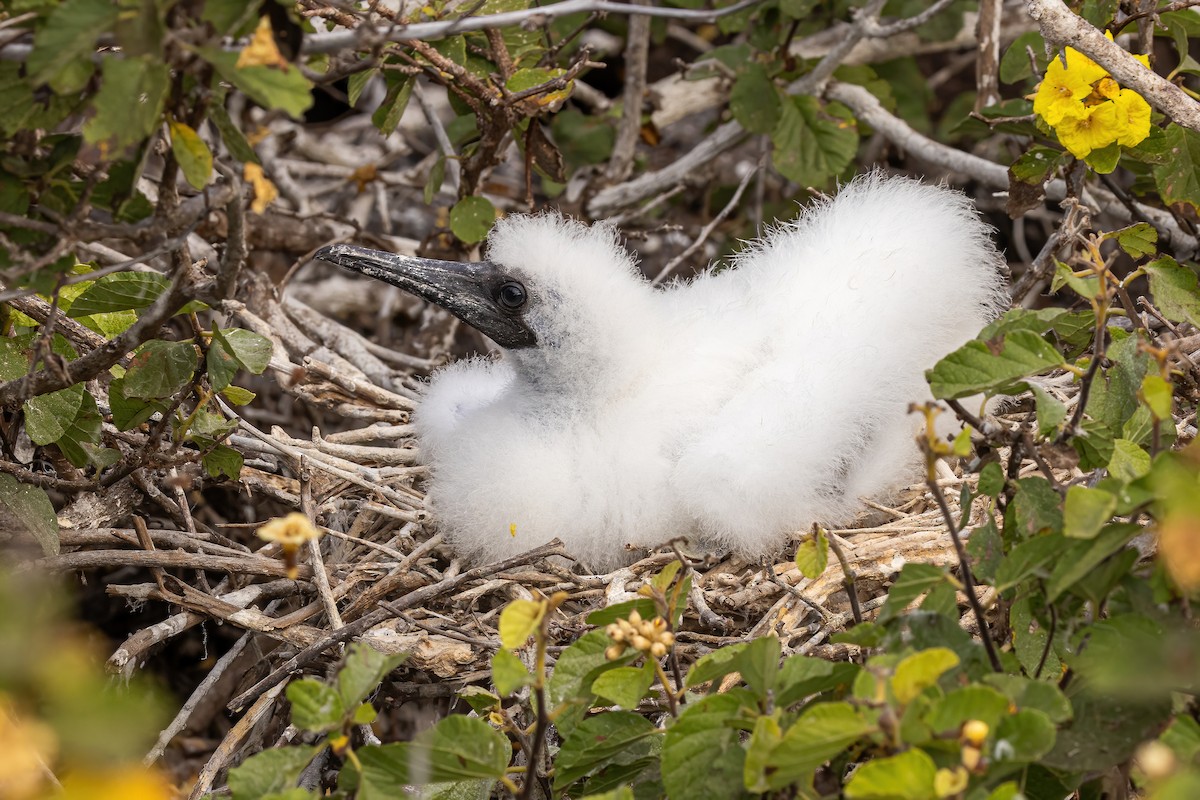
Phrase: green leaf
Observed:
(160, 369)
(518, 621)
(1051, 412)
(1183, 785)
(1086, 511)
(1036, 508)
(1183, 737)
(813, 143)
(812, 556)
(663, 578)
(65, 41)
(819, 733)
(571, 682)
(456, 748)
(1129, 462)
(222, 460)
(946, 715)
(1175, 290)
(253, 352)
(129, 103)
(759, 664)
(596, 741)
(991, 479)
(28, 508)
(509, 673)
(1071, 327)
(1138, 240)
(1178, 179)
(986, 549)
(920, 671)
(77, 442)
(357, 82)
(49, 416)
(400, 89)
(754, 100)
(316, 707)
(128, 412)
(609, 614)
(193, 155)
(1039, 695)
(220, 365)
(625, 686)
(433, 185)
(715, 665)
(583, 138)
(1156, 393)
(1030, 639)
(479, 699)
(270, 87)
(907, 776)
(1015, 65)
(978, 367)
(1028, 175)
(1025, 736)
(1105, 159)
(801, 676)
(763, 740)
(268, 772)
(1028, 558)
(702, 753)
(363, 671)
(913, 581)
(1094, 443)
(1082, 557)
(237, 395)
(472, 218)
(121, 291)
(1085, 285)
(533, 77)
(231, 135)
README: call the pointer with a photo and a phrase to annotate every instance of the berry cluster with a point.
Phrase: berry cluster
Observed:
(650, 637)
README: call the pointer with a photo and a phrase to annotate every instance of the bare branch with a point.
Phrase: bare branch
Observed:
(537, 15)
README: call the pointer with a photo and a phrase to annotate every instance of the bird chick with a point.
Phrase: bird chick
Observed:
(735, 408)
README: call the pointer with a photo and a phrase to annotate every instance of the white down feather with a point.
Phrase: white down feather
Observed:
(736, 408)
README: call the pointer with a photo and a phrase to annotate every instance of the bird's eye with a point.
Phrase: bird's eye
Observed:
(511, 296)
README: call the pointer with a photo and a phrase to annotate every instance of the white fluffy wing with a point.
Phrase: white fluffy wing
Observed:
(852, 304)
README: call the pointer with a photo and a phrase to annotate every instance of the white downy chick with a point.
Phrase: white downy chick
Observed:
(736, 408)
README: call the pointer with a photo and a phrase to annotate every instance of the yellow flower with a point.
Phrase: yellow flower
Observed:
(1087, 109)
(1064, 88)
(1097, 128)
(26, 750)
(1133, 113)
(291, 531)
(131, 782)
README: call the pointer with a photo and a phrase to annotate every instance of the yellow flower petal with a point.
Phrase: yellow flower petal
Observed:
(1107, 88)
(291, 531)
(1065, 86)
(1096, 129)
(265, 192)
(1133, 114)
(262, 50)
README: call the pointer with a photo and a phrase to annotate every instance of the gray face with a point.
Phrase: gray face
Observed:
(481, 294)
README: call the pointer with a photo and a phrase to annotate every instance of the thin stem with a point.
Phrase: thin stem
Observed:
(968, 582)
(1037, 673)
(672, 707)
(848, 577)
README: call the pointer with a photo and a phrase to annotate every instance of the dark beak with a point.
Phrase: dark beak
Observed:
(466, 290)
